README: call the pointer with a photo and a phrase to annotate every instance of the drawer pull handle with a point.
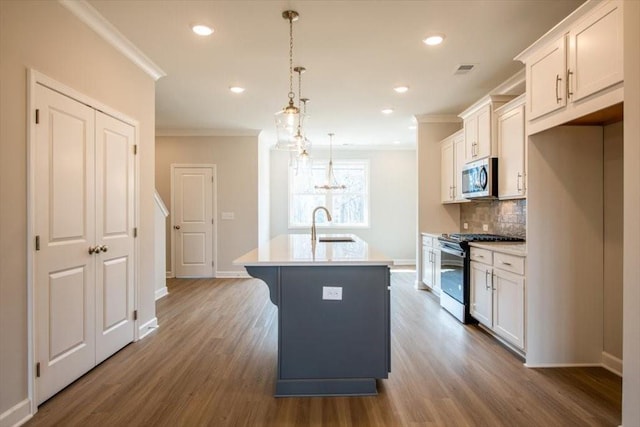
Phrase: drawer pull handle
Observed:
(505, 263)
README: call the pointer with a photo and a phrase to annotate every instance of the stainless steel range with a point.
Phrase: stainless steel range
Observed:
(455, 270)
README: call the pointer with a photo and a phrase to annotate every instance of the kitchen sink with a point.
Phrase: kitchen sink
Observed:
(336, 239)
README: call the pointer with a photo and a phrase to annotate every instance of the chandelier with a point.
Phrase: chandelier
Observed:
(331, 182)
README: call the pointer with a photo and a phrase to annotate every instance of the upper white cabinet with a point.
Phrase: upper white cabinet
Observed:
(575, 69)
(512, 150)
(452, 159)
(480, 127)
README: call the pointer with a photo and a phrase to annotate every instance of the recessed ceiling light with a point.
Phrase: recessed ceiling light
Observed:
(236, 89)
(396, 142)
(387, 111)
(202, 30)
(434, 39)
(401, 89)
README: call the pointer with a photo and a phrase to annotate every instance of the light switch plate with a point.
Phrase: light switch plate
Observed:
(465, 226)
(332, 293)
(485, 227)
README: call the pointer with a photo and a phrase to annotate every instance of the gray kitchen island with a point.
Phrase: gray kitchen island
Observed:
(333, 313)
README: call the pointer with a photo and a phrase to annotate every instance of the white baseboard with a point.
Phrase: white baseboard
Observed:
(419, 285)
(16, 416)
(169, 274)
(148, 327)
(232, 275)
(562, 365)
(404, 262)
(612, 363)
(162, 292)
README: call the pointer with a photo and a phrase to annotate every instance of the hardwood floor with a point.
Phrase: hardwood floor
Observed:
(212, 362)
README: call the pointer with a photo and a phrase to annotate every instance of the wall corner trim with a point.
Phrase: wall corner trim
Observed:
(17, 415)
(612, 363)
(98, 23)
(162, 292)
(147, 327)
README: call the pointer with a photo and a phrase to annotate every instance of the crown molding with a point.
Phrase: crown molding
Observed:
(206, 132)
(98, 23)
(438, 118)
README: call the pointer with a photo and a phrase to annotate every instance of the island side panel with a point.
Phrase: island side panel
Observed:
(329, 339)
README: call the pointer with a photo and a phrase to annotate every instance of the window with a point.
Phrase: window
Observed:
(349, 207)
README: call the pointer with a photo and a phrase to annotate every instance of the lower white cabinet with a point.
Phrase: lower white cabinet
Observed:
(431, 263)
(497, 293)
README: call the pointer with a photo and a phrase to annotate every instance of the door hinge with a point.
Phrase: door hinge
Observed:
(211, 263)
(37, 243)
(211, 220)
(38, 370)
(37, 116)
(135, 149)
(135, 314)
(135, 231)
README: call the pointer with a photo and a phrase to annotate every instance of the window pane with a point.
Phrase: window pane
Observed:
(353, 177)
(301, 208)
(349, 209)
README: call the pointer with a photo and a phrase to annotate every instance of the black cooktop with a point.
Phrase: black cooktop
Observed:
(479, 237)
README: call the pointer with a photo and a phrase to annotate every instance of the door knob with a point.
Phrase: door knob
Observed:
(103, 248)
(177, 227)
(94, 249)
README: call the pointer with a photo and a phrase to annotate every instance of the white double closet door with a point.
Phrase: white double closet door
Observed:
(84, 195)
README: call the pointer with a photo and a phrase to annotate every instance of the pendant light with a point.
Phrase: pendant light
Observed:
(331, 181)
(288, 117)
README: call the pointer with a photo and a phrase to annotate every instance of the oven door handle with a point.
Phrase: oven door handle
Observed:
(448, 250)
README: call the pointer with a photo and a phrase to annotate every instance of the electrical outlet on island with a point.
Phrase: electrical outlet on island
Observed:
(465, 226)
(485, 227)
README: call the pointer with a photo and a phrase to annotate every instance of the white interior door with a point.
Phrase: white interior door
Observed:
(115, 188)
(84, 210)
(64, 226)
(193, 221)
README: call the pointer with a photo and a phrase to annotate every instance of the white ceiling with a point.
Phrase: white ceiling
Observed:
(355, 52)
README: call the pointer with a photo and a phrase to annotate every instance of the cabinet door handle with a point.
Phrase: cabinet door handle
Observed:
(558, 80)
(569, 93)
(486, 280)
(492, 281)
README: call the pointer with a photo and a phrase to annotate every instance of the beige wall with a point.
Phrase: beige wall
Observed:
(392, 207)
(45, 36)
(564, 289)
(631, 275)
(236, 160)
(433, 216)
(613, 239)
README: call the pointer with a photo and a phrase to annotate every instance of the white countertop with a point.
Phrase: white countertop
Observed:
(297, 250)
(511, 248)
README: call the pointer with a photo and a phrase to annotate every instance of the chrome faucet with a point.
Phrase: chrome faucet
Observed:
(313, 221)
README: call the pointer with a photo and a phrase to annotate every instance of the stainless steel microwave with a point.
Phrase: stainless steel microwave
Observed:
(480, 179)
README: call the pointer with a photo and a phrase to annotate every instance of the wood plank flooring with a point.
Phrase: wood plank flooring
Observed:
(212, 362)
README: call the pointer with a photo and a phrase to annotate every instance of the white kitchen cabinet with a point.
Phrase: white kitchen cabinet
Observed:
(431, 262)
(497, 284)
(512, 150)
(480, 127)
(481, 294)
(576, 69)
(451, 161)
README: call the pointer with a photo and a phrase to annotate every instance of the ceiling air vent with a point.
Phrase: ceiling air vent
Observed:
(464, 68)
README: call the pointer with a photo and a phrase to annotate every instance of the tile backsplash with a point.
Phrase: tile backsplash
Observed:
(508, 217)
